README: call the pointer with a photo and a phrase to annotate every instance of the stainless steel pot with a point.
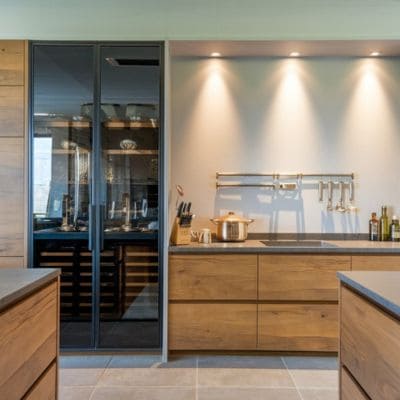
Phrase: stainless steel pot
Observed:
(231, 227)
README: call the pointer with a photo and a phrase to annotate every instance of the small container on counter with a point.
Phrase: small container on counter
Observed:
(395, 230)
(373, 228)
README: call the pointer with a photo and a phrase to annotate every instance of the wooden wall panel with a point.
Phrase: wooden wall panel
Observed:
(12, 62)
(12, 111)
(12, 203)
(12, 262)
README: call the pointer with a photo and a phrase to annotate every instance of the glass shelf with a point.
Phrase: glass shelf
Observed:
(131, 152)
(123, 124)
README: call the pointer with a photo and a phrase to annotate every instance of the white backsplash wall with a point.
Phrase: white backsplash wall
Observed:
(317, 115)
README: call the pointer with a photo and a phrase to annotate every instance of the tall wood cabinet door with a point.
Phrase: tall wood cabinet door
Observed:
(12, 262)
(213, 277)
(298, 327)
(379, 262)
(349, 389)
(300, 277)
(370, 346)
(208, 326)
(12, 62)
(12, 111)
(11, 197)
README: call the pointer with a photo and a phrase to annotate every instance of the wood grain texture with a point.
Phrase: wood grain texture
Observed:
(375, 263)
(12, 210)
(370, 346)
(349, 389)
(28, 341)
(12, 111)
(212, 326)
(12, 262)
(213, 277)
(300, 277)
(298, 327)
(45, 388)
(12, 62)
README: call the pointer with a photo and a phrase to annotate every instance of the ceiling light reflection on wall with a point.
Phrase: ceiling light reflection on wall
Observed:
(375, 54)
(215, 54)
(294, 54)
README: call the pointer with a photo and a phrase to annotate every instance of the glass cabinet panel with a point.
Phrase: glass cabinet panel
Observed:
(130, 103)
(63, 82)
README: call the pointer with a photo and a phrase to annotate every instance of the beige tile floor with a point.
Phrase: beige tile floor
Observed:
(198, 378)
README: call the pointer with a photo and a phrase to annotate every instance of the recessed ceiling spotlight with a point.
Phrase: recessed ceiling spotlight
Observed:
(375, 54)
(215, 54)
(294, 54)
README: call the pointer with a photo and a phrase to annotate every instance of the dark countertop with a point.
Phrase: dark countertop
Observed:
(18, 283)
(255, 246)
(383, 288)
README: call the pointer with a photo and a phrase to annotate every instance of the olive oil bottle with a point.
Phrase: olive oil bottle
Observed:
(395, 230)
(384, 228)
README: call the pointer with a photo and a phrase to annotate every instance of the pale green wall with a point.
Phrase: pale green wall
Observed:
(200, 19)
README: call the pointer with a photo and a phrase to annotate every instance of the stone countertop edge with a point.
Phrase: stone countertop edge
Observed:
(16, 284)
(381, 287)
(255, 246)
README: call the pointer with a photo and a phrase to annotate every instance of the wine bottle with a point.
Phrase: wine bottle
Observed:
(384, 228)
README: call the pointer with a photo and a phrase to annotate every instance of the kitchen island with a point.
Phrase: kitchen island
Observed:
(249, 296)
(29, 304)
(369, 335)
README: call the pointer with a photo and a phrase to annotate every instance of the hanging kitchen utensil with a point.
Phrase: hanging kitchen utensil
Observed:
(320, 191)
(340, 206)
(329, 206)
(351, 206)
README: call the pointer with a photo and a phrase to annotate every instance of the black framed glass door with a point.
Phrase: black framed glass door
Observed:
(63, 80)
(129, 264)
(96, 188)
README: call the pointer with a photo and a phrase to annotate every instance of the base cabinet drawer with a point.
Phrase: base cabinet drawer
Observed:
(375, 263)
(370, 335)
(46, 387)
(28, 342)
(213, 277)
(298, 327)
(300, 277)
(349, 389)
(209, 326)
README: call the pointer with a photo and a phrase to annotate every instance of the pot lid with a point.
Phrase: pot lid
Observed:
(232, 217)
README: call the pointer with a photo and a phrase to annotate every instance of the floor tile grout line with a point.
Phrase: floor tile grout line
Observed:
(292, 378)
(196, 389)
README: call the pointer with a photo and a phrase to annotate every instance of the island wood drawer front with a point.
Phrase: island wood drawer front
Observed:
(213, 277)
(298, 327)
(212, 326)
(349, 388)
(370, 346)
(12, 62)
(375, 263)
(28, 341)
(45, 388)
(300, 277)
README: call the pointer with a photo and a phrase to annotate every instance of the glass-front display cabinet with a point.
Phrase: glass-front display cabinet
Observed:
(96, 188)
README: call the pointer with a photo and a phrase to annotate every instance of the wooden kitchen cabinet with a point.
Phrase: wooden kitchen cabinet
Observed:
(298, 327)
(213, 277)
(13, 84)
(205, 326)
(300, 277)
(12, 62)
(46, 387)
(29, 345)
(376, 263)
(369, 343)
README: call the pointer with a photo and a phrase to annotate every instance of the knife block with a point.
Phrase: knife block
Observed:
(180, 235)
